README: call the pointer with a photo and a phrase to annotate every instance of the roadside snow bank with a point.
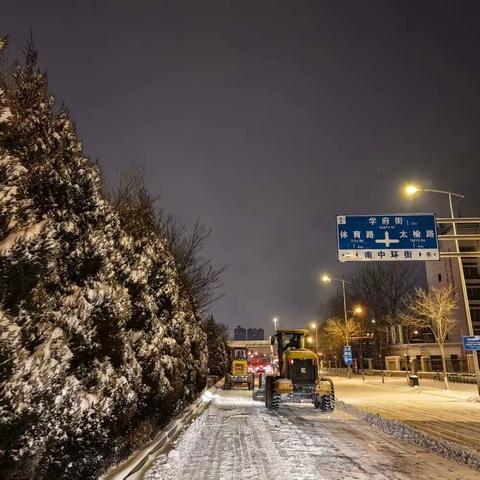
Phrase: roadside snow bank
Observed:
(411, 435)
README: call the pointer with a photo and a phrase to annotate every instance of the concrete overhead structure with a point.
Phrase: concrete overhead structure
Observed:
(259, 346)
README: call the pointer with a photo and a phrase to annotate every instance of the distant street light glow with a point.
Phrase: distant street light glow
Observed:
(326, 278)
(275, 321)
(411, 190)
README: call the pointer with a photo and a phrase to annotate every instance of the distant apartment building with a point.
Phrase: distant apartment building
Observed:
(255, 334)
(240, 333)
(421, 345)
(445, 273)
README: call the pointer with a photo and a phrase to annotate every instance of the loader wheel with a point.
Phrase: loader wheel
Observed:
(227, 385)
(275, 401)
(326, 403)
(330, 402)
(271, 401)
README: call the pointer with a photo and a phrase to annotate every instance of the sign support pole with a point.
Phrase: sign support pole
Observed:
(346, 322)
(464, 291)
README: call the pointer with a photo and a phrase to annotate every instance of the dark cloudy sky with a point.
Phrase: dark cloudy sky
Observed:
(264, 119)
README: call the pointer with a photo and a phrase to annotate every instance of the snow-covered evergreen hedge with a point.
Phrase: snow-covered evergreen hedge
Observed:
(98, 340)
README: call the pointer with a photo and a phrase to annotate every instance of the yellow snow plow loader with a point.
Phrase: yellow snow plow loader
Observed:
(238, 374)
(296, 378)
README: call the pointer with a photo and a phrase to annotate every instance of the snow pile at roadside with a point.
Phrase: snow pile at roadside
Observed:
(413, 436)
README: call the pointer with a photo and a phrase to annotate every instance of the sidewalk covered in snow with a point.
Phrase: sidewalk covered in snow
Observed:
(452, 415)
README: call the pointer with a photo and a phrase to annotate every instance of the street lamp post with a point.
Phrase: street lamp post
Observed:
(314, 325)
(411, 190)
(328, 279)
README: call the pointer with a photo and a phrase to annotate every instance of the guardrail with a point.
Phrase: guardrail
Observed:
(133, 467)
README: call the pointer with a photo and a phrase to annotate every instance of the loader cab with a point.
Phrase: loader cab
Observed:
(239, 361)
(239, 354)
(291, 340)
(295, 362)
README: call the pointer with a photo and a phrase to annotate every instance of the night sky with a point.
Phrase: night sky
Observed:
(265, 119)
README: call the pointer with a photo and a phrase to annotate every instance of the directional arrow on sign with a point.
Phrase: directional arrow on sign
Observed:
(387, 240)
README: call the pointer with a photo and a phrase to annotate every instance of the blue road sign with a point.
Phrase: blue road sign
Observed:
(390, 237)
(347, 355)
(471, 343)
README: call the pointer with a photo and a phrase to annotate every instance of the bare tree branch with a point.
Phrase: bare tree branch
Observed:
(141, 218)
(433, 310)
(340, 332)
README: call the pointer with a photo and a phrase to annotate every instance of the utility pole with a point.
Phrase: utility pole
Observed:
(314, 325)
(328, 279)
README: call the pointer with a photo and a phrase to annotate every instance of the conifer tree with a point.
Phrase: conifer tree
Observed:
(59, 285)
(97, 332)
(217, 350)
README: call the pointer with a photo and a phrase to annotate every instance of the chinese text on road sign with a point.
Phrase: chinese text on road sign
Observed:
(387, 237)
(471, 343)
(347, 355)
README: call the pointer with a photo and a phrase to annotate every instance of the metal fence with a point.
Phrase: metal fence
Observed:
(456, 377)
(431, 364)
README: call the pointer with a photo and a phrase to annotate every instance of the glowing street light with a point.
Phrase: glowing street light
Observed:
(411, 190)
(275, 321)
(358, 310)
(325, 278)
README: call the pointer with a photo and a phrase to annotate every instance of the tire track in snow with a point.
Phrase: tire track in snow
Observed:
(237, 438)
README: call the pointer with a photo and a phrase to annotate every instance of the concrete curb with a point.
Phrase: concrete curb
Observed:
(413, 436)
(131, 468)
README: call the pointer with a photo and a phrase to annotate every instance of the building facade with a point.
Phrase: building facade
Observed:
(255, 334)
(421, 346)
(240, 333)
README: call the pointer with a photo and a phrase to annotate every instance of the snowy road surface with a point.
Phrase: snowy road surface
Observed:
(237, 438)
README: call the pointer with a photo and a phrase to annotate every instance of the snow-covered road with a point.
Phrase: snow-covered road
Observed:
(237, 438)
